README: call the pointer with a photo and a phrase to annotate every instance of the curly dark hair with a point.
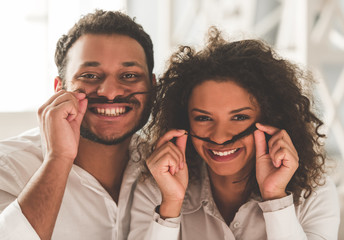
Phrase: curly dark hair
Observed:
(281, 88)
(103, 22)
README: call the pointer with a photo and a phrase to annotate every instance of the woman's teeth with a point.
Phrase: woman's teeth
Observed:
(112, 112)
(224, 153)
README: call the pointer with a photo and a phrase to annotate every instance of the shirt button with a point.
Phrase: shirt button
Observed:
(236, 224)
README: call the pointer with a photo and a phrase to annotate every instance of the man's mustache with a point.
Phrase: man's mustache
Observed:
(118, 99)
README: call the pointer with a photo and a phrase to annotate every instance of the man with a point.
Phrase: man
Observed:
(72, 187)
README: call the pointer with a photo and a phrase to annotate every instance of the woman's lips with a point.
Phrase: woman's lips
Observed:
(224, 155)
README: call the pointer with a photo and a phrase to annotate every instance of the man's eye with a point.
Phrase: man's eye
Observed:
(202, 118)
(240, 117)
(89, 76)
(130, 76)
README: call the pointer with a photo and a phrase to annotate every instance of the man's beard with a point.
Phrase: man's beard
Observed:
(88, 134)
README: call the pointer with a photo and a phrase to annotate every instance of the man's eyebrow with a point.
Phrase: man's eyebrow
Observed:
(90, 64)
(131, 64)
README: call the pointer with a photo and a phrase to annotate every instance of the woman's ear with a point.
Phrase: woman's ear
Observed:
(57, 84)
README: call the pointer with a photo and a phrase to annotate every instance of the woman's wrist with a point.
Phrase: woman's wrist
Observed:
(273, 196)
(170, 209)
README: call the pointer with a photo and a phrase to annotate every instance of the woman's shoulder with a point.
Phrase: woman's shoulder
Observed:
(323, 196)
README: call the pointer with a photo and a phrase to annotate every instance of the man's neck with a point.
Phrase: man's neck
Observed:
(105, 163)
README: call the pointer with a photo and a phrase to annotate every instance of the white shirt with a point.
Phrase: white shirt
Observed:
(87, 210)
(316, 217)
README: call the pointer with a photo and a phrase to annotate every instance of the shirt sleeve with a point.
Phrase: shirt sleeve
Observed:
(14, 225)
(145, 221)
(316, 217)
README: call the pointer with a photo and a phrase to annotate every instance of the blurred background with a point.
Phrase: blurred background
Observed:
(307, 32)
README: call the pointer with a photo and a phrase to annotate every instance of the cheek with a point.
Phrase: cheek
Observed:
(250, 146)
(198, 145)
(74, 86)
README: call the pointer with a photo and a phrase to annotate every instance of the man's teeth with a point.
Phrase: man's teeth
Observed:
(226, 153)
(111, 111)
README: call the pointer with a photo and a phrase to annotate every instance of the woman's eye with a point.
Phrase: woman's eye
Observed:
(202, 118)
(240, 117)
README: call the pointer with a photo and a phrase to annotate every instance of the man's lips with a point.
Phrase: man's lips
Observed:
(110, 110)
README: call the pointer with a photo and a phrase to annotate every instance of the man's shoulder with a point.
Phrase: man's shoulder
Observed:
(28, 141)
(20, 157)
(22, 153)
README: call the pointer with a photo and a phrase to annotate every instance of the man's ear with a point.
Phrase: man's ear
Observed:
(153, 80)
(57, 84)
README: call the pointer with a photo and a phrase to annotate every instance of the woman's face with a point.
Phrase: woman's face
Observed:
(220, 110)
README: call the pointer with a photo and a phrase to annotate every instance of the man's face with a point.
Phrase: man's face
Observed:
(109, 66)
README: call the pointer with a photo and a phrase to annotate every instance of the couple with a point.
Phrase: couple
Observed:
(232, 150)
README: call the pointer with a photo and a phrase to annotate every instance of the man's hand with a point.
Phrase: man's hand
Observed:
(60, 119)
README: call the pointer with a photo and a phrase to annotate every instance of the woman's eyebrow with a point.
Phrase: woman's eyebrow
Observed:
(231, 112)
(200, 110)
(240, 110)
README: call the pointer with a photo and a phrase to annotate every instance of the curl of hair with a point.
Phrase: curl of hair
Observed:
(282, 90)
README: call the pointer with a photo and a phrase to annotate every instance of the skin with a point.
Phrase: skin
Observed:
(100, 65)
(220, 110)
(168, 167)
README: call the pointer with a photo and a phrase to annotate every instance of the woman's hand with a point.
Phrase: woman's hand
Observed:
(276, 164)
(168, 167)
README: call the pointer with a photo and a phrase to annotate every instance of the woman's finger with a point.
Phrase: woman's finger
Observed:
(267, 129)
(168, 136)
(260, 142)
(181, 144)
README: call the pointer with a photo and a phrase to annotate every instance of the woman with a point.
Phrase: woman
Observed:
(253, 164)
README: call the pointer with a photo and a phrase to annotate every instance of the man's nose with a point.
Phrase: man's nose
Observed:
(112, 87)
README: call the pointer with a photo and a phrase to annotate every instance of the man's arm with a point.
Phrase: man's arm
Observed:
(41, 199)
(60, 120)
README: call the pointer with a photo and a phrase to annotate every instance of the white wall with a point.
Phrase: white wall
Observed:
(14, 123)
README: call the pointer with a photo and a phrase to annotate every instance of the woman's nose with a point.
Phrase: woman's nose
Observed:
(221, 133)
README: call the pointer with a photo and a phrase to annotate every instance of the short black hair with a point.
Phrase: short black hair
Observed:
(103, 22)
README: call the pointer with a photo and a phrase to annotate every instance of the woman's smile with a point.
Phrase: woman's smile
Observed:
(218, 112)
(224, 155)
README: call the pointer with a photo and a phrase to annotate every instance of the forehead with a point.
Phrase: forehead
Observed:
(107, 50)
(219, 94)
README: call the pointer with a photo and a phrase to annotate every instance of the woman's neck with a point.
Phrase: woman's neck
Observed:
(229, 193)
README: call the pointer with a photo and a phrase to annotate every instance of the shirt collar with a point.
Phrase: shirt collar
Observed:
(199, 195)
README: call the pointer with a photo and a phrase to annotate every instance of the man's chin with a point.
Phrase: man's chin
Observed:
(87, 134)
